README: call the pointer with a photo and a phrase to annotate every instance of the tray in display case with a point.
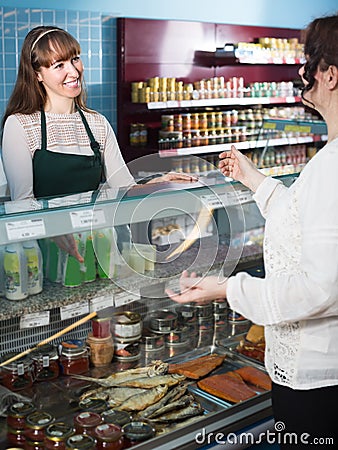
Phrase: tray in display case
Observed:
(229, 346)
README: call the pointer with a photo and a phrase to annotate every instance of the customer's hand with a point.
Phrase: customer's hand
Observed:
(176, 177)
(68, 244)
(200, 290)
(237, 166)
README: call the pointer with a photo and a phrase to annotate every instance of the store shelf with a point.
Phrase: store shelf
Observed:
(317, 127)
(231, 101)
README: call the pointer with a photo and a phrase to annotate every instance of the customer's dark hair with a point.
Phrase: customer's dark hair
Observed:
(320, 47)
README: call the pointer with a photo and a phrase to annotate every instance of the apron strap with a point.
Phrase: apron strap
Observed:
(95, 146)
(43, 131)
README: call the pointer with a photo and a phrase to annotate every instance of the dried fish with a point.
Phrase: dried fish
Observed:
(150, 382)
(193, 409)
(114, 395)
(141, 401)
(180, 403)
(173, 394)
(156, 368)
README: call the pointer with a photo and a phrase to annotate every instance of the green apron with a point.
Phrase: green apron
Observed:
(57, 174)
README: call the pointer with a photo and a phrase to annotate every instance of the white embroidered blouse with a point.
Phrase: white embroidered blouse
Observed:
(297, 302)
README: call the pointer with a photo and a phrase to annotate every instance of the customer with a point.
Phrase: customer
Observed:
(297, 301)
(53, 144)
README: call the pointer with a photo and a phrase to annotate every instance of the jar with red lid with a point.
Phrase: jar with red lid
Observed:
(74, 357)
(101, 327)
(86, 422)
(109, 436)
(17, 413)
(16, 437)
(45, 363)
(16, 375)
(56, 435)
(80, 442)
(36, 424)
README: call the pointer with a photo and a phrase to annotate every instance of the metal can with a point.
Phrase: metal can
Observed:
(127, 325)
(179, 336)
(234, 316)
(152, 341)
(220, 306)
(163, 321)
(127, 351)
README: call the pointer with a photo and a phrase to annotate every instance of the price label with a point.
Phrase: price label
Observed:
(88, 217)
(35, 319)
(102, 302)
(212, 201)
(25, 229)
(124, 298)
(74, 310)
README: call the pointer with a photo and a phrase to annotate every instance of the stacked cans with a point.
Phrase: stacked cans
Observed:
(127, 332)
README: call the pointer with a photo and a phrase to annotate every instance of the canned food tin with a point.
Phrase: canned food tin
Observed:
(186, 313)
(163, 321)
(179, 336)
(234, 316)
(220, 306)
(127, 351)
(152, 341)
(127, 325)
(204, 310)
(205, 323)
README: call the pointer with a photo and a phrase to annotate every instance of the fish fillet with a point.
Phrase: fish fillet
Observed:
(227, 387)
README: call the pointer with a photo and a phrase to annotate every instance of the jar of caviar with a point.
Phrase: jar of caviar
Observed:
(56, 435)
(16, 437)
(45, 363)
(109, 436)
(36, 423)
(74, 357)
(116, 417)
(97, 405)
(86, 422)
(80, 442)
(16, 375)
(17, 413)
(136, 432)
(101, 327)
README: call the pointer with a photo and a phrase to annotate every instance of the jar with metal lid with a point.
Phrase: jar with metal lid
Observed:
(34, 445)
(101, 350)
(101, 327)
(116, 417)
(93, 404)
(136, 432)
(56, 435)
(109, 436)
(86, 422)
(80, 442)
(16, 375)
(45, 363)
(16, 437)
(17, 413)
(163, 321)
(36, 424)
(127, 325)
(127, 351)
(74, 357)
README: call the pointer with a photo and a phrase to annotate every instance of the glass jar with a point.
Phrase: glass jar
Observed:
(86, 422)
(101, 350)
(136, 432)
(16, 375)
(17, 413)
(34, 445)
(109, 436)
(101, 327)
(45, 363)
(80, 442)
(16, 437)
(97, 405)
(36, 424)
(74, 357)
(56, 435)
(116, 417)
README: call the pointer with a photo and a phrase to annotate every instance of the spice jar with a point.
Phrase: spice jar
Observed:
(109, 436)
(45, 363)
(74, 357)
(16, 375)
(101, 327)
(86, 422)
(36, 423)
(56, 435)
(101, 350)
(17, 413)
(80, 442)
(16, 437)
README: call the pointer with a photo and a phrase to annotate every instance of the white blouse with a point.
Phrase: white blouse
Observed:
(297, 301)
(65, 134)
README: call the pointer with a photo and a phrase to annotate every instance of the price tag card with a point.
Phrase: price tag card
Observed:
(212, 201)
(34, 320)
(74, 310)
(102, 302)
(123, 298)
(25, 229)
(88, 217)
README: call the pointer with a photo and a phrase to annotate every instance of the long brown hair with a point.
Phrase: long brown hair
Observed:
(320, 48)
(38, 50)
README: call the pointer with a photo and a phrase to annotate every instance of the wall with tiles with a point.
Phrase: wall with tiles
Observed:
(95, 32)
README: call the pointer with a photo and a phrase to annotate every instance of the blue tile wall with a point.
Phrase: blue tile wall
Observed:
(97, 36)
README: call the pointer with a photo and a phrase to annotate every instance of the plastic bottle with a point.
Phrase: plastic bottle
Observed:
(72, 269)
(34, 267)
(89, 272)
(104, 249)
(16, 275)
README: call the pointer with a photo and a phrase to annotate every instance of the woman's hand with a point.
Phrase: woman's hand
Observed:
(175, 176)
(200, 290)
(237, 166)
(67, 243)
